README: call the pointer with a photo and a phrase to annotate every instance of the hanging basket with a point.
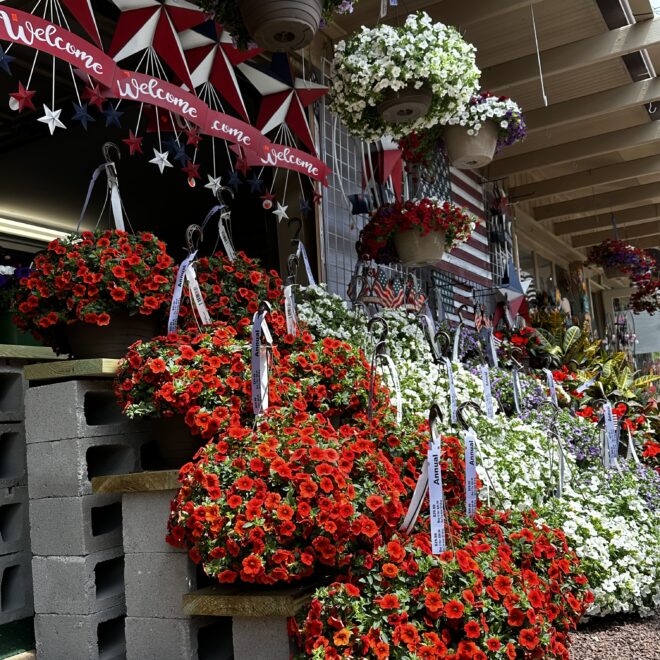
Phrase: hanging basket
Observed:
(87, 340)
(405, 105)
(467, 152)
(612, 272)
(10, 334)
(415, 250)
(282, 25)
(174, 441)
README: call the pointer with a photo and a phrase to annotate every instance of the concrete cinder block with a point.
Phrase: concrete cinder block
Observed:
(148, 638)
(260, 638)
(12, 455)
(12, 392)
(65, 468)
(98, 636)
(78, 585)
(75, 525)
(145, 521)
(15, 587)
(14, 527)
(156, 582)
(74, 409)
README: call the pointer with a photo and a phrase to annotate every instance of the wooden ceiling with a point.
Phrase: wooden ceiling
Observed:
(594, 149)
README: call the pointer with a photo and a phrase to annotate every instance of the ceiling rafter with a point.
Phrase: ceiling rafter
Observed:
(634, 231)
(585, 52)
(623, 218)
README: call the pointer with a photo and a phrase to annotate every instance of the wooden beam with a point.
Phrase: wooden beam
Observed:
(604, 220)
(589, 106)
(636, 231)
(646, 243)
(598, 203)
(585, 52)
(628, 169)
(597, 145)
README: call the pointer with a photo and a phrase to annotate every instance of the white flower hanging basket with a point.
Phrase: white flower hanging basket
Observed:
(468, 152)
(406, 105)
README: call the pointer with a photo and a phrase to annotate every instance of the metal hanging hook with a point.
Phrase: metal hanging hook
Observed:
(461, 409)
(220, 194)
(381, 340)
(459, 313)
(194, 235)
(296, 235)
(107, 148)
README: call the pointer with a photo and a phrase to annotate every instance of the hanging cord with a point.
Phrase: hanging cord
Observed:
(538, 54)
(615, 229)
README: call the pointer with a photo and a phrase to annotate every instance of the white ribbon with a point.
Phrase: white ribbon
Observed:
(115, 199)
(290, 310)
(196, 295)
(470, 439)
(516, 390)
(260, 351)
(224, 236)
(453, 402)
(417, 500)
(551, 386)
(632, 454)
(301, 252)
(492, 351)
(436, 500)
(585, 386)
(394, 374)
(457, 341)
(488, 393)
(178, 291)
(611, 436)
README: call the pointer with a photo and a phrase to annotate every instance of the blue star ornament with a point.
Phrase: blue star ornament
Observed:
(80, 114)
(234, 180)
(305, 206)
(255, 184)
(5, 61)
(177, 150)
(112, 116)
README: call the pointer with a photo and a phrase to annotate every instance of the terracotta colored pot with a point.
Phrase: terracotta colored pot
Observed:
(282, 25)
(87, 340)
(470, 151)
(174, 441)
(405, 105)
(416, 250)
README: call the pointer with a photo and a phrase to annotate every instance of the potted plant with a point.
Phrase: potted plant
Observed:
(620, 259)
(10, 278)
(393, 80)
(415, 232)
(275, 25)
(93, 295)
(487, 124)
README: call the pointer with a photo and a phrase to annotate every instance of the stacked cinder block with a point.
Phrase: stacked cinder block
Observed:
(15, 573)
(75, 431)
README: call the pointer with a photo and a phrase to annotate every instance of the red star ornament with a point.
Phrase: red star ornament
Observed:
(242, 166)
(155, 24)
(23, 98)
(192, 170)
(193, 136)
(212, 56)
(316, 197)
(284, 98)
(94, 95)
(134, 143)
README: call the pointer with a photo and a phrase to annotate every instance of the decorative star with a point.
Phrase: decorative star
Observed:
(285, 97)
(267, 200)
(80, 114)
(23, 98)
(280, 212)
(191, 170)
(255, 184)
(214, 184)
(112, 116)
(242, 166)
(193, 136)
(134, 143)
(305, 206)
(212, 56)
(178, 151)
(155, 24)
(5, 61)
(160, 160)
(234, 180)
(52, 119)
(94, 95)
(317, 197)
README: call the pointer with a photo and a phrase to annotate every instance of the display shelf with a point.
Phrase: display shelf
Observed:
(139, 482)
(67, 369)
(13, 352)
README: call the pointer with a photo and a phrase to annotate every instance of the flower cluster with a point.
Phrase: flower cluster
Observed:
(384, 60)
(511, 586)
(426, 215)
(299, 496)
(88, 278)
(501, 110)
(10, 279)
(619, 254)
(232, 290)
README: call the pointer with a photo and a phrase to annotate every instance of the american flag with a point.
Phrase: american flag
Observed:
(379, 290)
(398, 292)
